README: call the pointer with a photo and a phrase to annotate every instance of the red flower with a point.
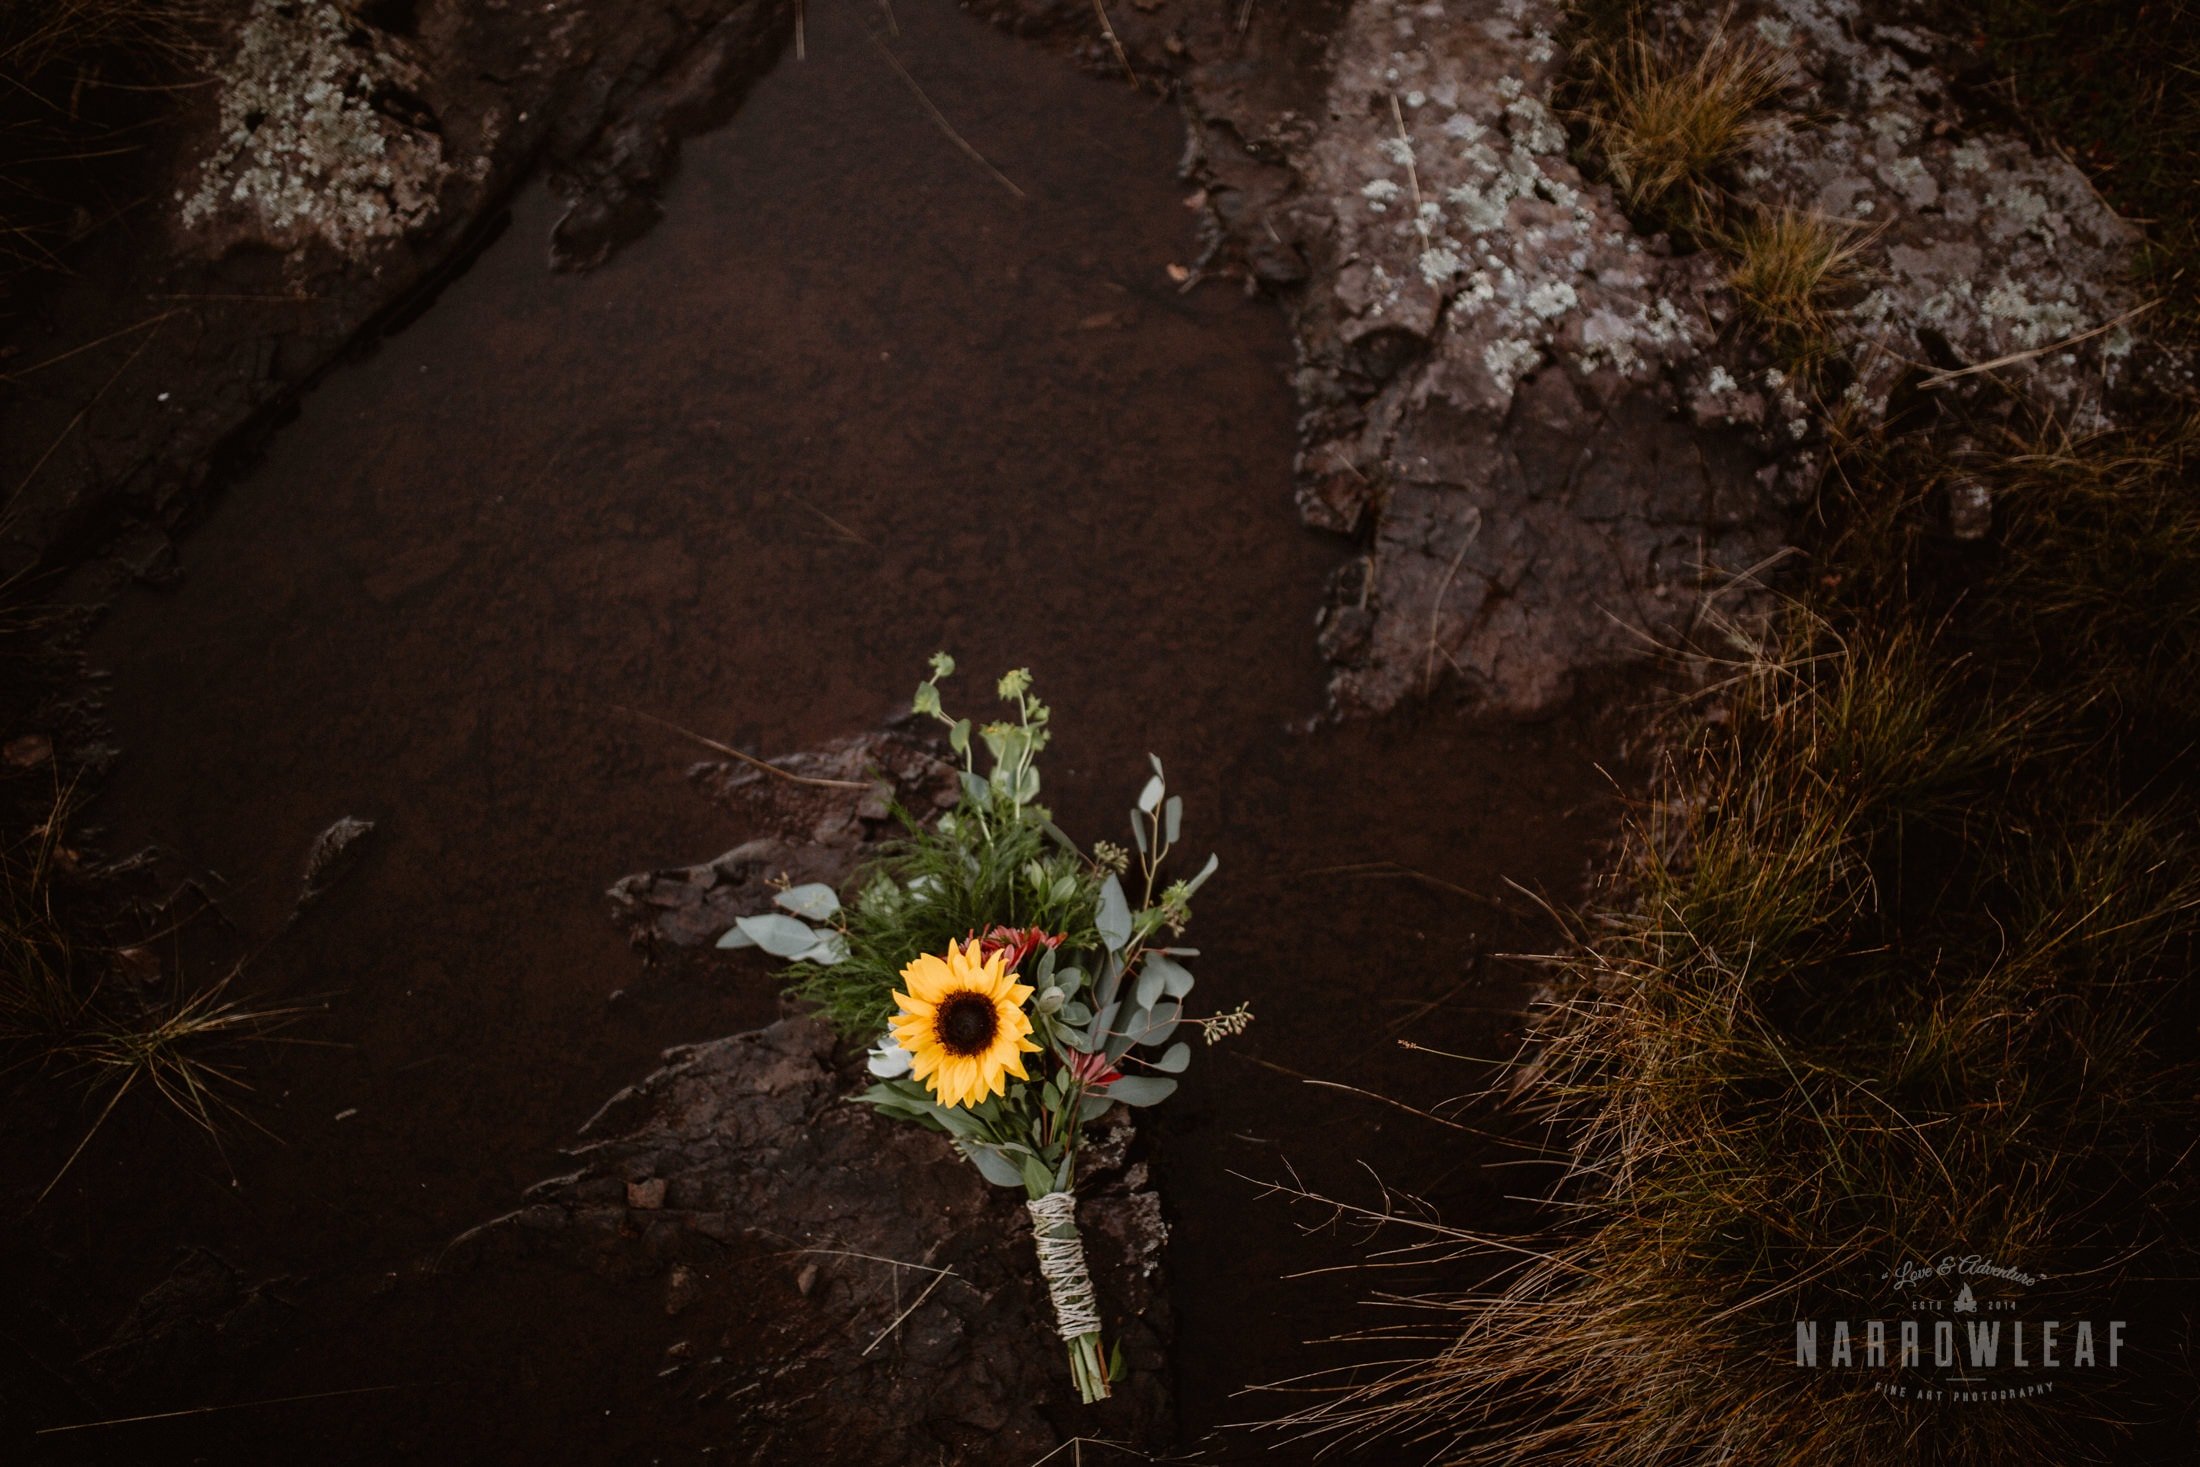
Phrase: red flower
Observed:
(1017, 943)
(1093, 1069)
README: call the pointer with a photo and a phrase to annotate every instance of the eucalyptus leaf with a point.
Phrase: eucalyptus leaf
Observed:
(1113, 917)
(1092, 1107)
(1154, 1026)
(1138, 833)
(1102, 1022)
(1150, 796)
(1150, 979)
(957, 1122)
(886, 1097)
(830, 949)
(1069, 980)
(992, 1164)
(1172, 818)
(781, 936)
(1038, 1177)
(1173, 1059)
(736, 938)
(814, 900)
(1109, 985)
(1176, 979)
(1140, 1090)
(1204, 872)
(1076, 1015)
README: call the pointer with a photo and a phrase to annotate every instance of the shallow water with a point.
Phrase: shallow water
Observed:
(851, 401)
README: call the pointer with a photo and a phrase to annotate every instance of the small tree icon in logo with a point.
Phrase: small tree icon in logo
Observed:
(1965, 1302)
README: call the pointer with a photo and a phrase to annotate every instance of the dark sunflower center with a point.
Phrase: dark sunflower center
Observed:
(966, 1023)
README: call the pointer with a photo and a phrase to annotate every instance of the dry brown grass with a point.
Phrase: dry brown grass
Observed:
(81, 83)
(1896, 961)
(81, 38)
(1666, 118)
(1790, 269)
(66, 1009)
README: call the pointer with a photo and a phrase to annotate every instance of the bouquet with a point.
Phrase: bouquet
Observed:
(1009, 989)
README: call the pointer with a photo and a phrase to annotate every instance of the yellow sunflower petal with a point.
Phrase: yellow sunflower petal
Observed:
(927, 977)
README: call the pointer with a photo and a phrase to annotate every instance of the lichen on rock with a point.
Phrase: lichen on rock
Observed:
(1560, 440)
(323, 137)
(1489, 361)
(1983, 247)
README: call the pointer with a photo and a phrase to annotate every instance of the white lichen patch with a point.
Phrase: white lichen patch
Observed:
(1513, 302)
(1981, 245)
(1526, 264)
(308, 148)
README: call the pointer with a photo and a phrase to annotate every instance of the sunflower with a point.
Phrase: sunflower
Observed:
(963, 1023)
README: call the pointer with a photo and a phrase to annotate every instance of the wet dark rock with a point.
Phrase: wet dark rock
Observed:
(873, 1298)
(819, 833)
(203, 1309)
(611, 190)
(334, 852)
(1560, 441)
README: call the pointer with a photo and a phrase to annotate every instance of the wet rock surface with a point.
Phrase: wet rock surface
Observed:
(1558, 439)
(1988, 249)
(1489, 381)
(1488, 354)
(205, 1308)
(886, 1309)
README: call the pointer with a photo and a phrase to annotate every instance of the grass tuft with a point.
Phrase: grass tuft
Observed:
(1790, 267)
(67, 1010)
(1666, 120)
(1896, 963)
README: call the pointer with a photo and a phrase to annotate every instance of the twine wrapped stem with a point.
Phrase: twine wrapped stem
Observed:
(1069, 1288)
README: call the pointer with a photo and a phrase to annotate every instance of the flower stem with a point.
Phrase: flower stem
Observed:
(1088, 1367)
